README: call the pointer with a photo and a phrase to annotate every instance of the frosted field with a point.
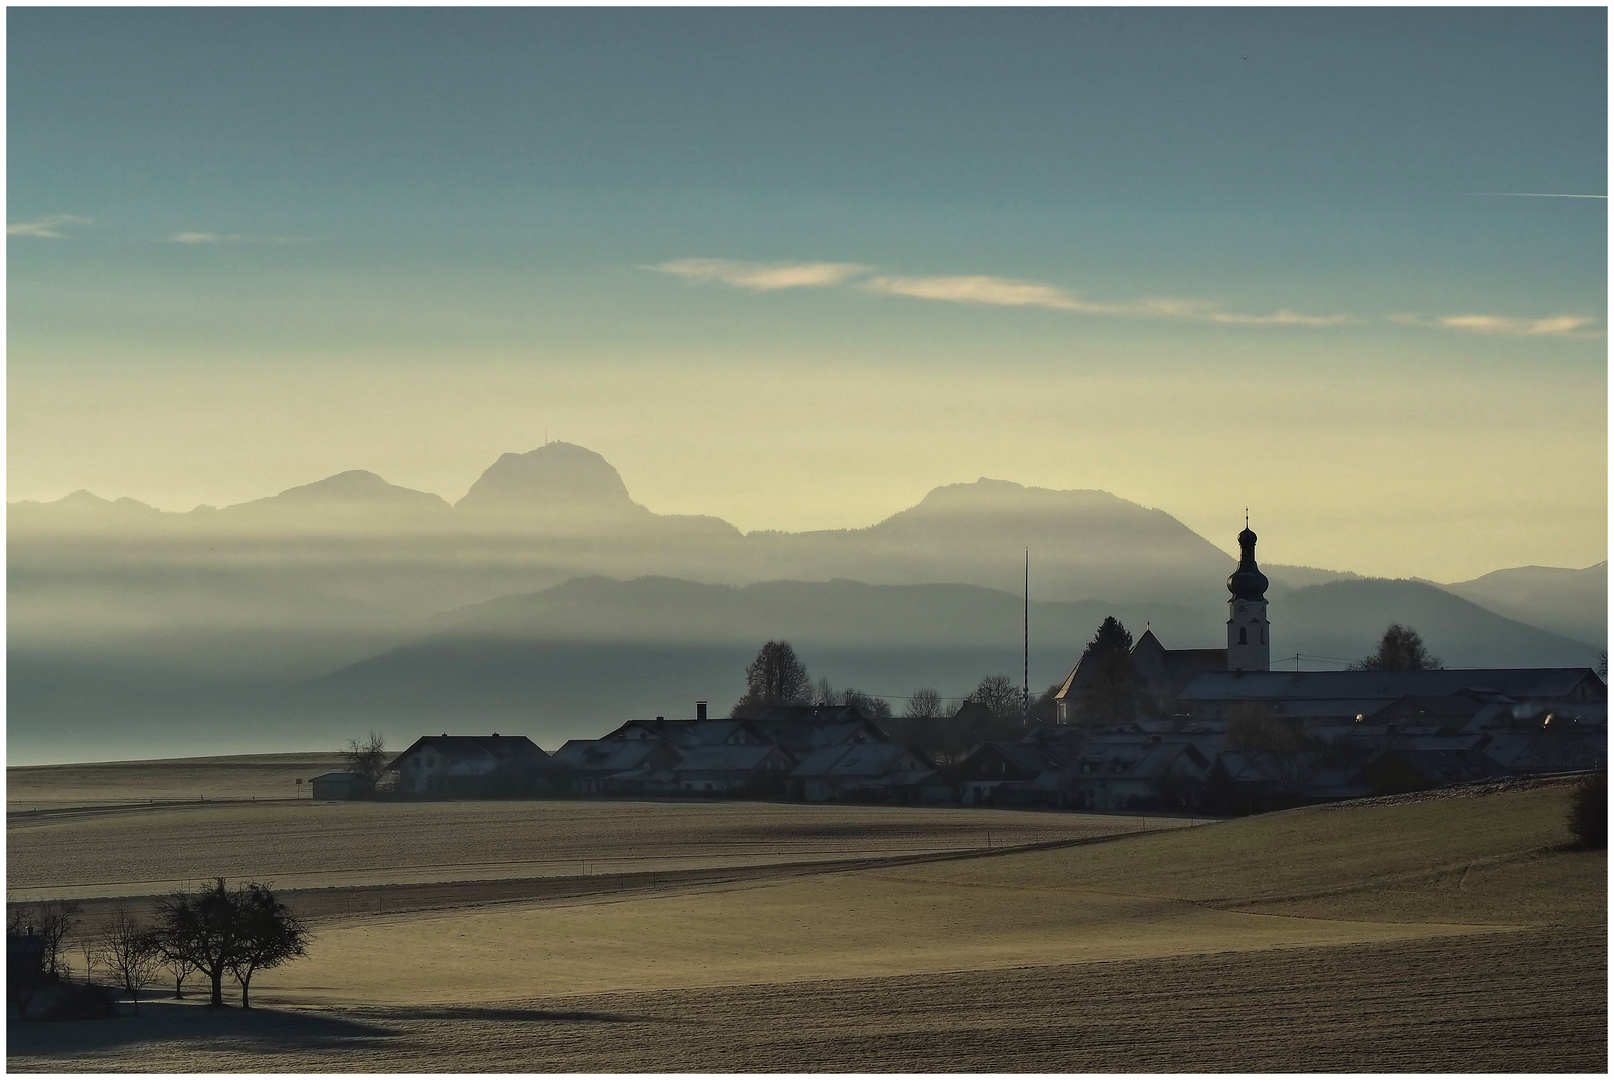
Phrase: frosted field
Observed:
(1415, 935)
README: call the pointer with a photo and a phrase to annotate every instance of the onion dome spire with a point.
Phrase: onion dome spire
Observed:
(1247, 582)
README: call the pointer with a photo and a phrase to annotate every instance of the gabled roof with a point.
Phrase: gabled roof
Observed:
(1454, 707)
(474, 747)
(612, 755)
(1139, 760)
(728, 758)
(1026, 758)
(860, 759)
(692, 732)
(801, 738)
(1387, 686)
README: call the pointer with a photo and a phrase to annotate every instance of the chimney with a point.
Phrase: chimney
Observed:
(700, 710)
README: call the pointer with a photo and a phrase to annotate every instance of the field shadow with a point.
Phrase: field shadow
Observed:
(261, 1030)
(507, 1014)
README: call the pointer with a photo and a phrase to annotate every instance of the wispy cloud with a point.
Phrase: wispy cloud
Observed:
(762, 277)
(1540, 195)
(47, 227)
(1552, 326)
(1011, 292)
(232, 238)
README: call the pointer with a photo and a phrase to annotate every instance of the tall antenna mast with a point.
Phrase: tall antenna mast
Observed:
(1025, 671)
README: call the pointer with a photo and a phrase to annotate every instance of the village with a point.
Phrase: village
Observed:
(1135, 727)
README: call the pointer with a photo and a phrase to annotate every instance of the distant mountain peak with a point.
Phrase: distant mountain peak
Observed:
(355, 489)
(557, 476)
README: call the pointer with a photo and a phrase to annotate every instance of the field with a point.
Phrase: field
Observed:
(144, 850)
(246, 776)
(1412, 934)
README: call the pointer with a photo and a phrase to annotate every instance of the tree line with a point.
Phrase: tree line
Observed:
(217, 932)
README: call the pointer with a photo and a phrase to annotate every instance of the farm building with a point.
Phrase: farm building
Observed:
(863, 770)
(445, 764)
(339, 785)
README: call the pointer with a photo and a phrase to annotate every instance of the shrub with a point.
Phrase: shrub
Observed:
(1588, 812)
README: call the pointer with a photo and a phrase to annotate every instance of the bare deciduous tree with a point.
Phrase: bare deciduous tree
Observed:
(999, 694)
(367, 760)
(240, 931)
(52, 921)
(924, 702)
(776, 677)
(129, 949)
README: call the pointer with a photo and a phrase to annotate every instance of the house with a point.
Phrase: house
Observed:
(733, 769)
(865, 770)
(996, 763)
(444, 764)
(1345, 695)
(695, 732)
(339, 785)
(1136, 774)
(802, 729)
(615, 767)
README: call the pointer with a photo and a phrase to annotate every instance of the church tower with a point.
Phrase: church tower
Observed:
(1248, 648)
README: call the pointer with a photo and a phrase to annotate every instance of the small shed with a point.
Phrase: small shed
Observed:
(338, 785)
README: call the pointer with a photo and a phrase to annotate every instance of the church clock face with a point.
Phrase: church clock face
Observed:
(1241, 609)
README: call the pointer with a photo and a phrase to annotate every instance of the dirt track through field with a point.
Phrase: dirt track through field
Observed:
(1531, 1001)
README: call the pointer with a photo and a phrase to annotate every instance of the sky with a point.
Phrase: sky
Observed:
(795, 268)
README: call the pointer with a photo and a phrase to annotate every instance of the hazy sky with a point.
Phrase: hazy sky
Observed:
(795, 268)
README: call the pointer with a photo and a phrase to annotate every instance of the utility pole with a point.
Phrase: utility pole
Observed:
(1025, 670)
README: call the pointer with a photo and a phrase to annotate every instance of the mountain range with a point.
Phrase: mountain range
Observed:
(547, 595)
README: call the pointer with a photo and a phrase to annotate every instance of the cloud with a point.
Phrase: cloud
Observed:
(1011, 292)
(1552, 326)
(762, 277)
(232, 238)
(1541, 195)
(47, 227)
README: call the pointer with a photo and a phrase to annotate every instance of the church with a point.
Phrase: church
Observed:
(1214, 684)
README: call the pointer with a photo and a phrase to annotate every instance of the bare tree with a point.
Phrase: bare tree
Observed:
(367, 760)
(776, 677)
(924, 702)
(999, 694)
(52, 921)
(129, 949)
(271, 934)
(177, 966)
(1400, 649)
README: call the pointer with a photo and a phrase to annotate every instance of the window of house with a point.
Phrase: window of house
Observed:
(1244, 636)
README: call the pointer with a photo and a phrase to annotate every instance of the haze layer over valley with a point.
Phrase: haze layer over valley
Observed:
(547, 601)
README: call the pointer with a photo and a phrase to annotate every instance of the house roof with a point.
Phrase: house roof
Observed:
(801, 738)
(727, 758)
(610, 755)
(691, 732)
(337, 777)
(471, 747)
(1386, 686)
(858, 759)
